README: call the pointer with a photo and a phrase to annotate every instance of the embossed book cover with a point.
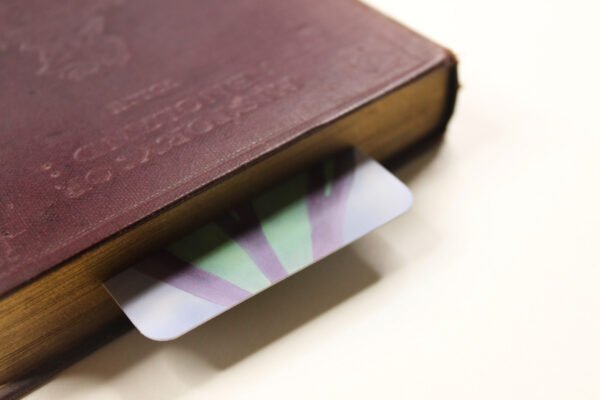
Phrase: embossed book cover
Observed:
(126, 123)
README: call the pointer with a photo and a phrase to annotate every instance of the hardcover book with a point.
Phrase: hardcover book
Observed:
(126, 123)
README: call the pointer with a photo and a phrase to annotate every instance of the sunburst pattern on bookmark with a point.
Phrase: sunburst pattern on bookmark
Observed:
(258, 244)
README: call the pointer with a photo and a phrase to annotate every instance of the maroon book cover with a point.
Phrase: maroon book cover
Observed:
(115, 109)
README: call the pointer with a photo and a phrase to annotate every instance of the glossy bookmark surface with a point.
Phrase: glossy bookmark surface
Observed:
(254, 246)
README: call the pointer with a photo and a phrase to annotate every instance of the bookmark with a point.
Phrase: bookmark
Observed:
(252, 247)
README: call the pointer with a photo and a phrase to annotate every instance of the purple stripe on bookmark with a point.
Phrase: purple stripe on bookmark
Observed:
(327, 210)
(191, 279)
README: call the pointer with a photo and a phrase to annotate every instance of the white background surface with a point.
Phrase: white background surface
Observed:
(488, 289)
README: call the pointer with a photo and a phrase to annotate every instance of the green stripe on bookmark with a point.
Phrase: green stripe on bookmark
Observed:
(210, 249)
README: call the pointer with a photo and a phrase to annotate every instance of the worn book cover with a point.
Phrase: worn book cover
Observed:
(125, 122)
